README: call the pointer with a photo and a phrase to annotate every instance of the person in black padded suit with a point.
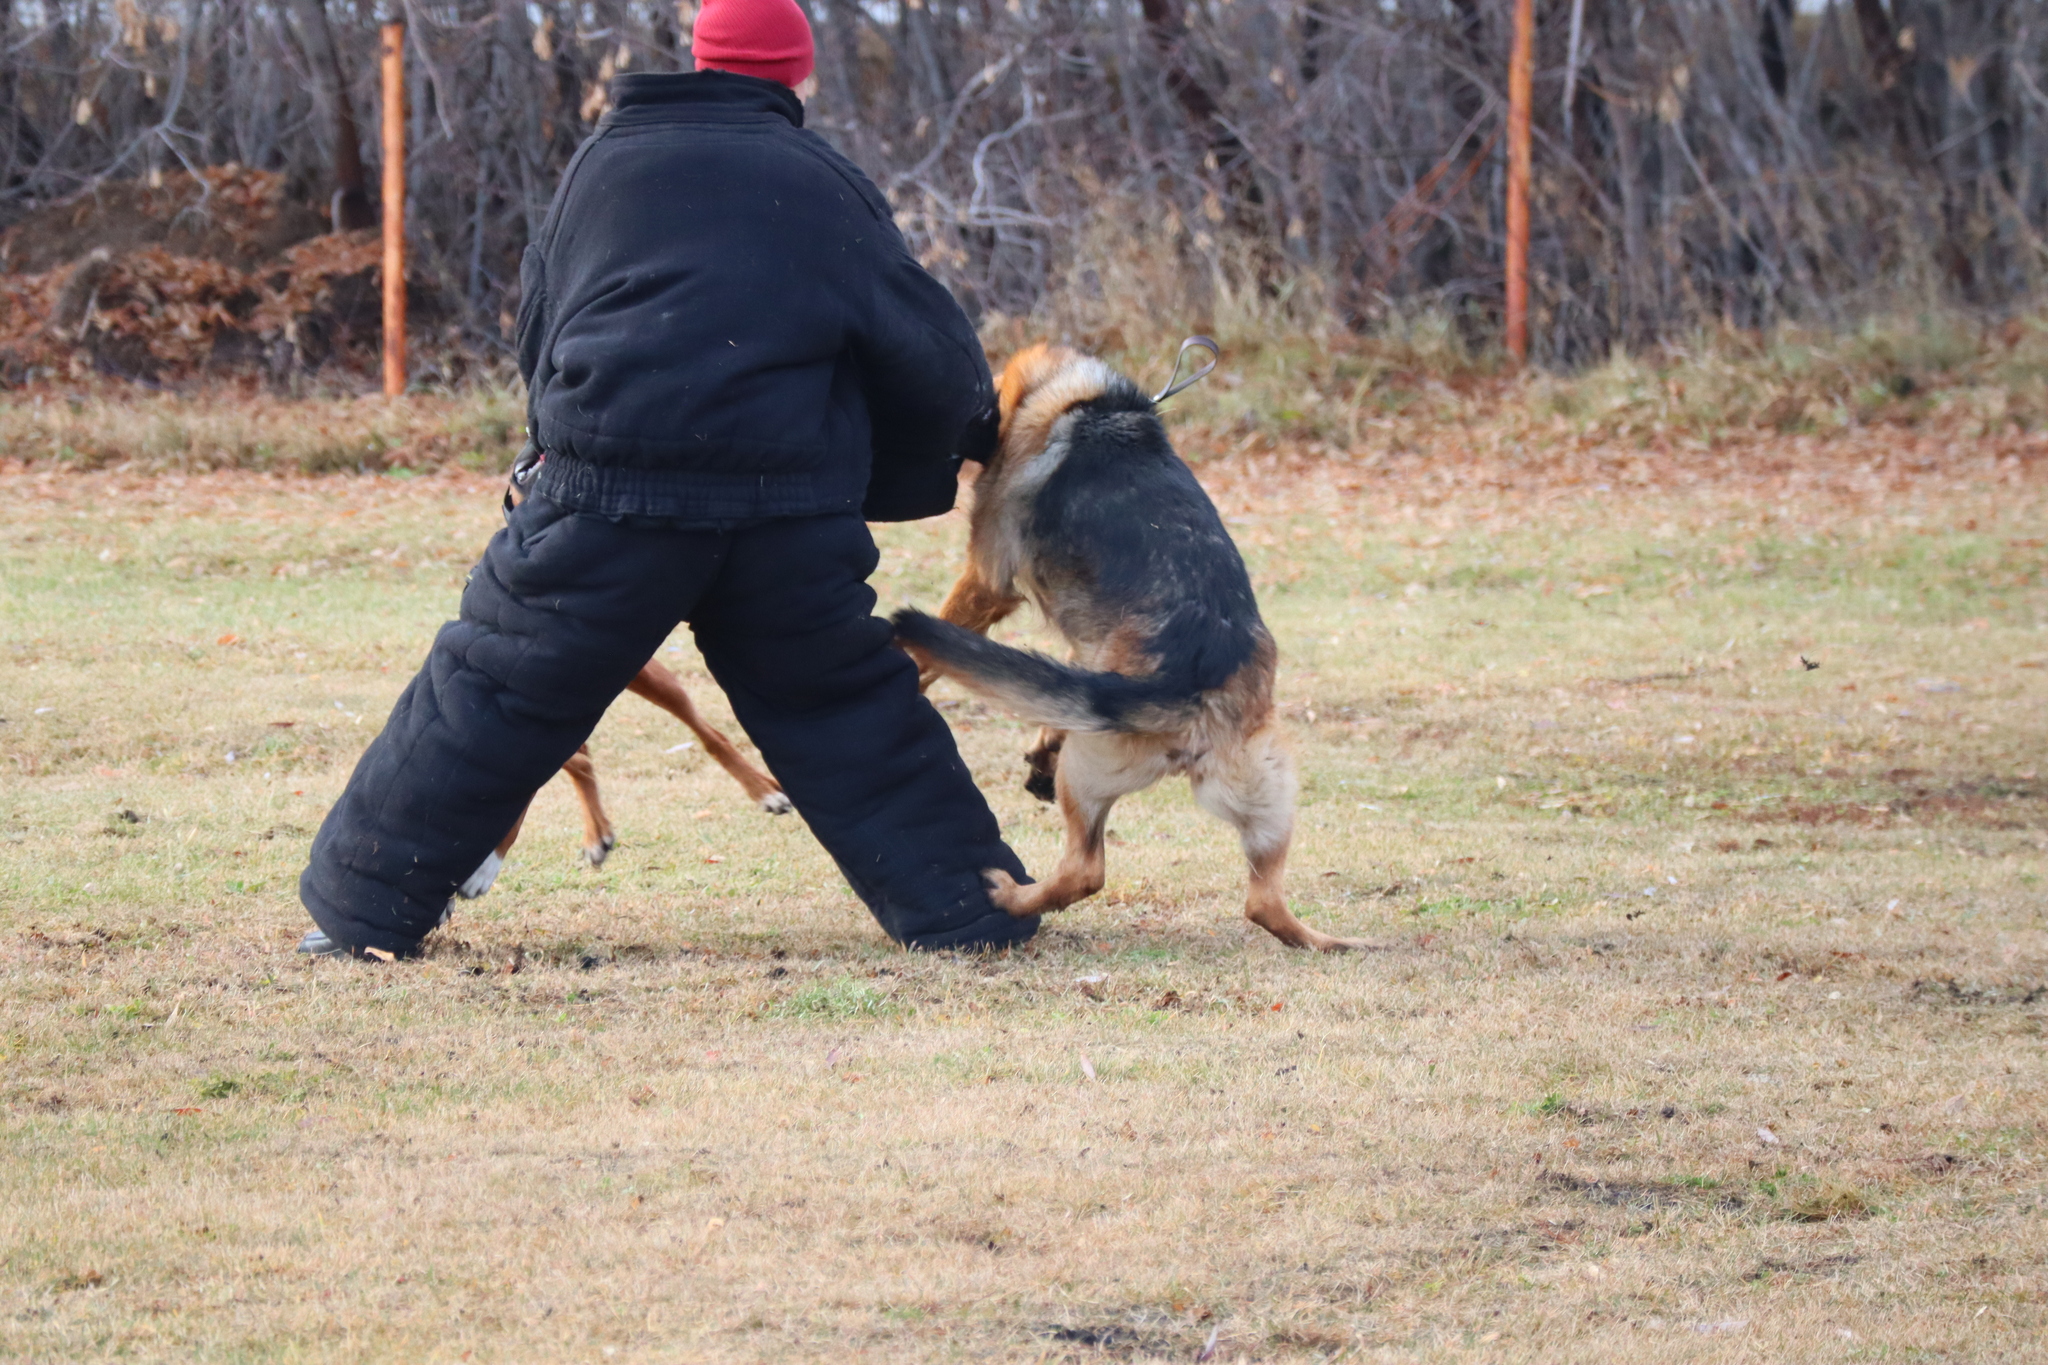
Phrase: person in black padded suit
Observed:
(733, 363)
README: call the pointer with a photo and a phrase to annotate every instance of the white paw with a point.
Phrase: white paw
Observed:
(481, 880)
(594, 854)
(775, 803)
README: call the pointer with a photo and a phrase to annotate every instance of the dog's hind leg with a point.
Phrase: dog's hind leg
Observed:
(973, 604)
(662, 687)
(487, 871)
(598, 839)
(1253, 789)
(1094, 771)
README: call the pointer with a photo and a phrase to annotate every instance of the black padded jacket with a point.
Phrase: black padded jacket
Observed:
(720, 322)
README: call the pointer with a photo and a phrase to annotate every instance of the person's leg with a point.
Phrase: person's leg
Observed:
(788, 630)
(559, 615)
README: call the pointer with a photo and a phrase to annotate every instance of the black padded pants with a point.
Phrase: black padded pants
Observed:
(561, 612)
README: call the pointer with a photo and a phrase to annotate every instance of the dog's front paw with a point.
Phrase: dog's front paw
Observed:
(481, 880)
(775, 803)
(1003, 891)
(596, 853)
(1330, 943)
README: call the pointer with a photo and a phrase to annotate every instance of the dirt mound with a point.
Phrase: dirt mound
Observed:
(207, 273)
(229, 214)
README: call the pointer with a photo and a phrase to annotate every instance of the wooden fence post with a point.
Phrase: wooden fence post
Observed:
(1521, 82)
(394, 208)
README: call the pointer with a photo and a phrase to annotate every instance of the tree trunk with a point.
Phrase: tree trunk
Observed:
(1891, 70)
(350, 207)
(839, 72)
(1774, 44)
(1166, 22)
(10, 135)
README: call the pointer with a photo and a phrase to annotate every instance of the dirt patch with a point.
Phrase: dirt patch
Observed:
(1831, 964)
(1113, 1340)
(1819, 1265)
(1942, 991)
(1930, 1165)
(1648, 1194)
(2006, 803)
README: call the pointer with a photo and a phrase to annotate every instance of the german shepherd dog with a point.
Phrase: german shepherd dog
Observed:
(658, 684)
(1086, 510)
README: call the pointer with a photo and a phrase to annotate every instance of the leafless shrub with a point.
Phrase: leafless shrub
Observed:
(1723, 164)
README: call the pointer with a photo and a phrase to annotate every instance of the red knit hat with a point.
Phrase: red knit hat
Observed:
(766, 38)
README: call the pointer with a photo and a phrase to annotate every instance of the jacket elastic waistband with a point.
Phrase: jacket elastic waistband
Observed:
(690, 495)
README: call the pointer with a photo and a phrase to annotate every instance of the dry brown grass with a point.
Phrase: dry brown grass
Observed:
(100, 426)
(1706, 1023)
(1286, 385)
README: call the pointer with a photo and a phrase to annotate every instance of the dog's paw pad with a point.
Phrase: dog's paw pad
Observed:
(775, 803)
(482, 879)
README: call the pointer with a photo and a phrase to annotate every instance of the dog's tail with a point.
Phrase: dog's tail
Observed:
(1042, 689)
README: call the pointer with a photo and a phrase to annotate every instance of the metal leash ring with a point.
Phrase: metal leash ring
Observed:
(1174, 383)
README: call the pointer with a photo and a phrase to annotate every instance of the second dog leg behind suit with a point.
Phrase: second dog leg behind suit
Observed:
(564, 608)
(556, 618)
(788, 630)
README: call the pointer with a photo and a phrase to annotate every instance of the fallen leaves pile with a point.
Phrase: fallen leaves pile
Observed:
(159, 313)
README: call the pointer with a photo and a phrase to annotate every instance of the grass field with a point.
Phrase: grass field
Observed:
(1705, 1020)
